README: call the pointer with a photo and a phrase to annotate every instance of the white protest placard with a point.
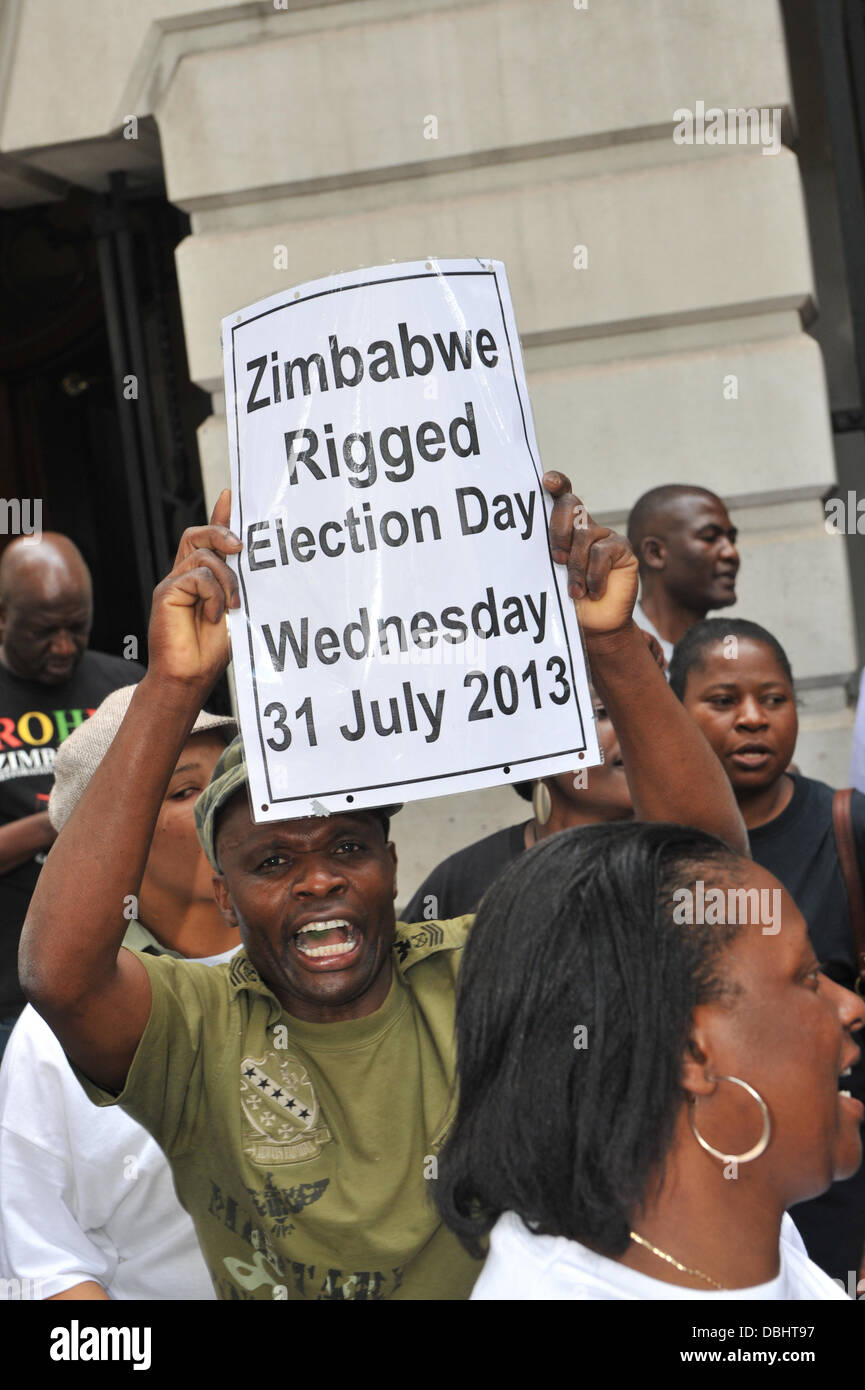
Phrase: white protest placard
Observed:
(404, 632)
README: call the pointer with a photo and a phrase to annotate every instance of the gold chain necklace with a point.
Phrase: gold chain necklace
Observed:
(683, 1269)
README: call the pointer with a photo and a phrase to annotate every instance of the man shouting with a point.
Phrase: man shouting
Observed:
(301, 1092)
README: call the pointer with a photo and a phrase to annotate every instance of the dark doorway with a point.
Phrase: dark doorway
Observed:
(826, 56)
(97, 413)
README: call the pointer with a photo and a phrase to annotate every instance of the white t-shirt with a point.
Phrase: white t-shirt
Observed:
(85, 1193)
(523, 1266)
(647, 625)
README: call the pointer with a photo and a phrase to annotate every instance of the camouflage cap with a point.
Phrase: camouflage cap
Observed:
(228, 777)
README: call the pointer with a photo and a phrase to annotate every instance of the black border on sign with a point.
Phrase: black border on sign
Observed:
(439, 776)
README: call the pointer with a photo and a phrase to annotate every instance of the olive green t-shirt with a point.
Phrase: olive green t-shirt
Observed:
(305, 1153)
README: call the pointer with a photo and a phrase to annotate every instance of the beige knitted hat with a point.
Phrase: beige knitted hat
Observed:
(81, 753)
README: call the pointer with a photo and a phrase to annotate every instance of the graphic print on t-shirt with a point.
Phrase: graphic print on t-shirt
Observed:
(281, 1110)
(29, 741)
(35, 719)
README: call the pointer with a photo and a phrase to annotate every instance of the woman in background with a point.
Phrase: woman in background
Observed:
(734, 679)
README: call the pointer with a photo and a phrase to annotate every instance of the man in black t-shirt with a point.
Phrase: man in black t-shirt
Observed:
(458, 883)
(49, 684)
(465, 876)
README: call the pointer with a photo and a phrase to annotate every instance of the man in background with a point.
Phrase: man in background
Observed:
(685, 544)
(49, 684)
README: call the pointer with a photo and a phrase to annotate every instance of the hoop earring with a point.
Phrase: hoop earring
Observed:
(761, 1144)
(542, 804)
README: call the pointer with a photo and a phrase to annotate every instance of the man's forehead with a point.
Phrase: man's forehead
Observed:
(46, 593)
(237, 828)
(694, 510)
(48, 606)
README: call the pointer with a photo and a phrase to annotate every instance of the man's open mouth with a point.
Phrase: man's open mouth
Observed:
(327, 940)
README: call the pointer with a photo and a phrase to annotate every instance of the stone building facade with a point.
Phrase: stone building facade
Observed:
(663, 289)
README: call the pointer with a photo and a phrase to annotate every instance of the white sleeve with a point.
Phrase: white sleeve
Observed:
(40, 1237)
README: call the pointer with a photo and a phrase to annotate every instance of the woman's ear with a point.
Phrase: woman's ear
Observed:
(223, 901)
(698, 1074)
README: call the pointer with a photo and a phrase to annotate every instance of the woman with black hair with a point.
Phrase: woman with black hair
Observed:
(642, 1094)
(734, 679)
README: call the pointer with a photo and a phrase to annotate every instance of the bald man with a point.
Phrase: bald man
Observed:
(685, 543)
(49, 684)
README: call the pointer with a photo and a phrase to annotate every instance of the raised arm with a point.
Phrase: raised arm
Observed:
(672, 772)
(92, 993)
